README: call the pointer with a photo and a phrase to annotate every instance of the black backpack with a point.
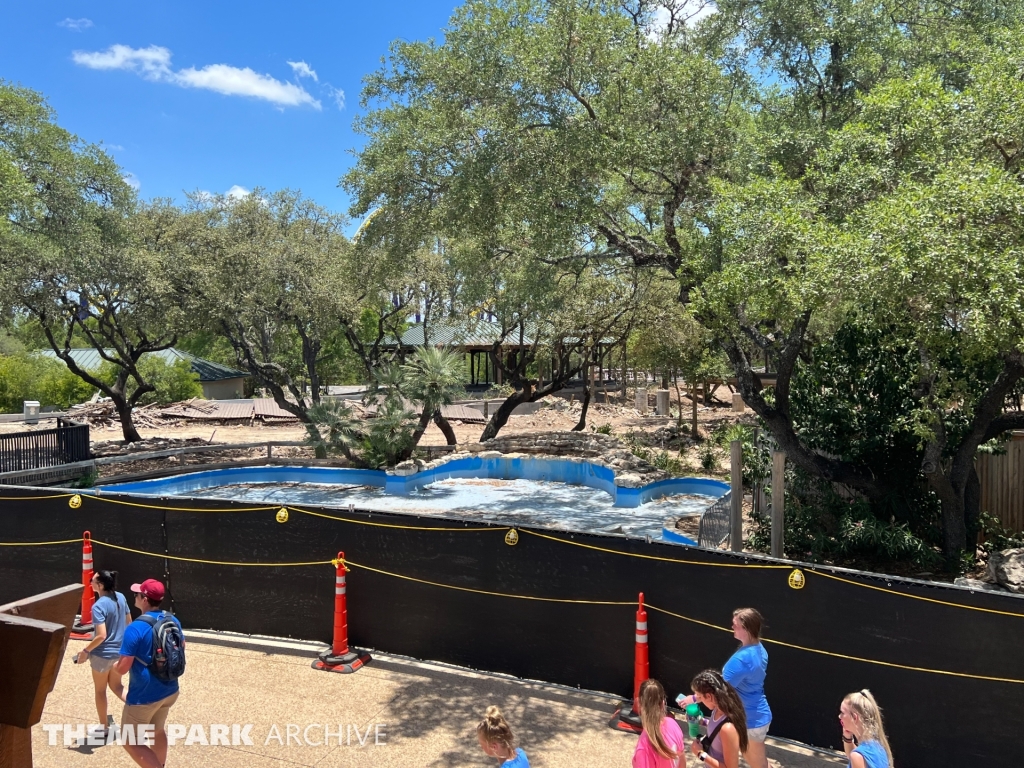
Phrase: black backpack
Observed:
(168, 661)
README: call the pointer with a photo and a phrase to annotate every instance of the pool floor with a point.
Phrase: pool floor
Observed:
(513, 502)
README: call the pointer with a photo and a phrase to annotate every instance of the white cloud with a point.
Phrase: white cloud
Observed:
(232, 81)
(75, 25)
(114, 147)
(237, 192)
(337, 95)
(154, 63)
(302, 69)
(132, 181)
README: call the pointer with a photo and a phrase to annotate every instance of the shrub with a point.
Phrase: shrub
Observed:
(34, 377)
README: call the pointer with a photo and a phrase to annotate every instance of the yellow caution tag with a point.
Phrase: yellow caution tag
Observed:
(797, 579)
(282, 515)
(75, 501)
(512, 537)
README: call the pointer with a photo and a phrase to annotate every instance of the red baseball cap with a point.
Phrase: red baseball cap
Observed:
(151, 589)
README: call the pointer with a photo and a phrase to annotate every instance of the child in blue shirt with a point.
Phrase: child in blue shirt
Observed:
(497, 740)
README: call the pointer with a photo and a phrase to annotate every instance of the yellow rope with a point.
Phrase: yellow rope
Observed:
(207, 562)
(840, 655)
(485, 592)
(916, 597)
(392, 525)
(33, 498)
(38, 543)
(654, 557)
(100, 497)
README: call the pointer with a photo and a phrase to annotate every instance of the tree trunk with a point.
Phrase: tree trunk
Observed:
(124, 413)
(446, 428)
(693, 401)
(500, 417)
(582, 423)
(417, 435)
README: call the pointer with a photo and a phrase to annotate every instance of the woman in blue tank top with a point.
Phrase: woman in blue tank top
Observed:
(864, 738)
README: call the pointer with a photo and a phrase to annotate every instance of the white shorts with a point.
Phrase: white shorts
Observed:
(758, 734)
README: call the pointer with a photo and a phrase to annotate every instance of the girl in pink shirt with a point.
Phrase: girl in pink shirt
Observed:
(661, 743)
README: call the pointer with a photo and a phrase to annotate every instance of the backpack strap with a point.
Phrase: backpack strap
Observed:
(708, 740)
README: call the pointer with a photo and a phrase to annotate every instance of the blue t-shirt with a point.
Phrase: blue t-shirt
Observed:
(112, 612)
(746, 670)
(144, 688)
(519, 761)
(873, 753)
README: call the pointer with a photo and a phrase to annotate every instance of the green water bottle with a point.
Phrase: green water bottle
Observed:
(693, 720)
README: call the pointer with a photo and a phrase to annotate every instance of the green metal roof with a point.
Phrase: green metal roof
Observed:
(459, 333)
(207, 370)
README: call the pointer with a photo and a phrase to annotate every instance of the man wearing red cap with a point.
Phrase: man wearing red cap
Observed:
(149, 699)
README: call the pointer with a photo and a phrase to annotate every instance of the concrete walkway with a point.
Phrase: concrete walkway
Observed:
(419, 715)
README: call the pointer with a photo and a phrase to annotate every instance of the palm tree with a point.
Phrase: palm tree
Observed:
(434, 377)
(333, 428)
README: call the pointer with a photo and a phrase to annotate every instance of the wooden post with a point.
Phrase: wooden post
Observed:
(736, 467)
(778, 501)
(693, 400)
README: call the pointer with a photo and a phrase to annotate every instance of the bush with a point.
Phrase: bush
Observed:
(34, 377)
(821, 525)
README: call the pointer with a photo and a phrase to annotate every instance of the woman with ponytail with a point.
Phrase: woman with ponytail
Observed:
(497, 740)
(864, 739)
(745, 671)
(110, 616)
(661, 743)
(727, 724)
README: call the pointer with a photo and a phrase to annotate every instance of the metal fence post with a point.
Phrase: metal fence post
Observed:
(778, 501)
(736, 462)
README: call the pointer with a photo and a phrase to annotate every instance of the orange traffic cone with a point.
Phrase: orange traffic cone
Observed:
(339, 657)
(627, 715)
(82, 630)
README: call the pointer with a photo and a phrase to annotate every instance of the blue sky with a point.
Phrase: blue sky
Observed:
(201, 96)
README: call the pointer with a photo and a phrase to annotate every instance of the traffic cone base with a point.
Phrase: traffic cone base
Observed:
(81, 632)
(345, 664)
(625, 719)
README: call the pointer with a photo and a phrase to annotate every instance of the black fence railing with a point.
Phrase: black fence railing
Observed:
(66, 444)
(716, 523)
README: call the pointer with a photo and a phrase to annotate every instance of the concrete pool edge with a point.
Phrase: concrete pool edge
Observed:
(560, 470)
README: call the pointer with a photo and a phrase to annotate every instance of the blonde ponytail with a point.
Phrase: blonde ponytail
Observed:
(495, 730)
(652, 713)
(863, 704)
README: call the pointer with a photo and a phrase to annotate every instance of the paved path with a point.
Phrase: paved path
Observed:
(427, 715)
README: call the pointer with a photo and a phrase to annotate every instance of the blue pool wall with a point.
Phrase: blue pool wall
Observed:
(492, 467)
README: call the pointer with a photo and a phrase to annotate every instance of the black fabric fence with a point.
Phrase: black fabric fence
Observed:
(457, 592)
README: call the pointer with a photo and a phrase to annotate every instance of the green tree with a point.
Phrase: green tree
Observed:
(576, 130)
(76, 255)
(171, 382)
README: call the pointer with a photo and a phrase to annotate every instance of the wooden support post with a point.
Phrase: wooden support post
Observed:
(778, 501)
(736, 472)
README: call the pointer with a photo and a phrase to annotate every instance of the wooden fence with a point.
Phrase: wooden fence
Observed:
(1002, 483)
(66, 444)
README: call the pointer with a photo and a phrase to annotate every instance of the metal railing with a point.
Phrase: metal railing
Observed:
(716, 523)
(66, 444)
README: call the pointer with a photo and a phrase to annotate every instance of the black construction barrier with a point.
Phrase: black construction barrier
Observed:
(452, 600)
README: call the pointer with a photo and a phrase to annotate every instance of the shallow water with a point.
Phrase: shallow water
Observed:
(515, 502)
